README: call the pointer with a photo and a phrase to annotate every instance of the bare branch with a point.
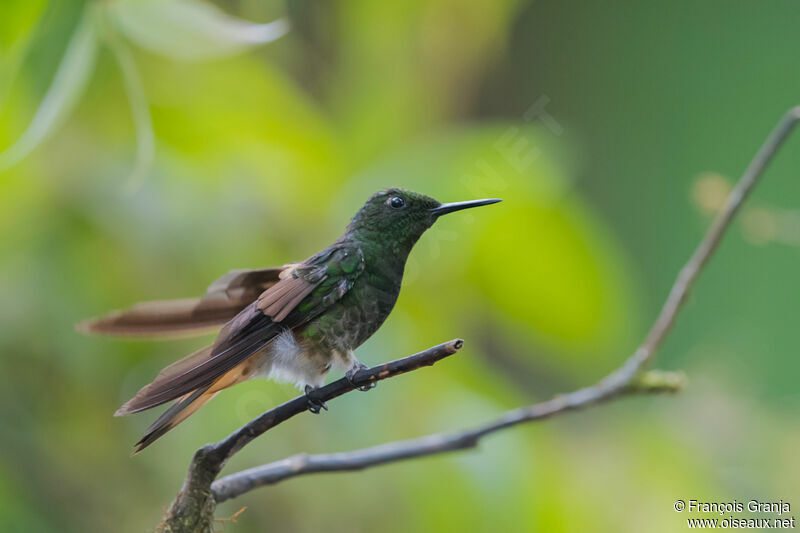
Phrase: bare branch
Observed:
(237, 484)
(193, 508)
(629, 378)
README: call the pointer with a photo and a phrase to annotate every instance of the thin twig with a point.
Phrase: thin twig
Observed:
(226, 448)
(628, 378)
(689, 273)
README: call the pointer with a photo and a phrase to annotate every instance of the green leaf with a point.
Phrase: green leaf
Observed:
(190, 30)
(68, 85)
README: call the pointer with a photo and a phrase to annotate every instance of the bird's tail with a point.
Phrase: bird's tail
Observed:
(182, 409)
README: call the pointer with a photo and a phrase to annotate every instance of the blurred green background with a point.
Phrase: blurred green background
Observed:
(177, 143)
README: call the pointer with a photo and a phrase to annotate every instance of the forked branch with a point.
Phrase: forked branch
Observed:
(193, 508)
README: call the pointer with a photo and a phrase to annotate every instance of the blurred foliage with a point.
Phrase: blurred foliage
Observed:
(179, 141)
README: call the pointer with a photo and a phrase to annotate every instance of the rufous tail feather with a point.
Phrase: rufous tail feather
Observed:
(177, 413)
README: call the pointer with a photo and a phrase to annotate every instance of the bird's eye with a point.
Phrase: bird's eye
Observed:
(396, 202)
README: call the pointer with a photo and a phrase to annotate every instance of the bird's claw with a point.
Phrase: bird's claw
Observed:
(315, 405)
(350, 374)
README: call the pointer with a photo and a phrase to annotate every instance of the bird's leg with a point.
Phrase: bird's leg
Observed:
(315, 405)
(350, 374)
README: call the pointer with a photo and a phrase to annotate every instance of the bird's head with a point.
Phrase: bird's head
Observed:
(401, 216)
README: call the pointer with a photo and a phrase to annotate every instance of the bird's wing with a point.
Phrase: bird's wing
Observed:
(301, 295)
(223, 299)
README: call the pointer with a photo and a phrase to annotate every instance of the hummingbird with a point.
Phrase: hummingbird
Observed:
(291, 323)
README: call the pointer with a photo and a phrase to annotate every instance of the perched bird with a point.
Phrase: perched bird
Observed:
(290, 323)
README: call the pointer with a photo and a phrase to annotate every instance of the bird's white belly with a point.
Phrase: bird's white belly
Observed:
(286, 361)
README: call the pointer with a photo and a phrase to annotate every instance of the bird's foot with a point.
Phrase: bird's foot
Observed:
(315, 404)
(350, 374)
